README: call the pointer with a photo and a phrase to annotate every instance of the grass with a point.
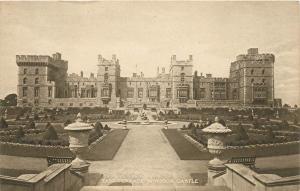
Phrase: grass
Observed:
(184, 149)
(108, 147)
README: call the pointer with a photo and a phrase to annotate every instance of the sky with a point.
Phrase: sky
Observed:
(144, 35)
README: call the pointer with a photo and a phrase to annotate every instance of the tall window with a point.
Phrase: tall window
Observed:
(36, 80)
(252, 71)
(25, 91)
(25, 81)
(25, 71)
(130, 93)
(182, 68)
(182, 77)
(263, 81)
(106, 68)
(36, 71)
(252, 80)
(140, 92)
(168, 93)
(49, 91)
(105, 77)
(36, 91)
(263, 72)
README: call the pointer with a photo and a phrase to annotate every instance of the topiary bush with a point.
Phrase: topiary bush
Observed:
(3, 123)
(106, 127)
(67, 122)
(50, 133)
(241, 133)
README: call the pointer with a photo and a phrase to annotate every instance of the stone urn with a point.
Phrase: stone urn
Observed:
(216, 145)
(78, 139)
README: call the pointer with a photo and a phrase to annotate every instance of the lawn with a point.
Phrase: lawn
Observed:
(108, 147)
(184, 149)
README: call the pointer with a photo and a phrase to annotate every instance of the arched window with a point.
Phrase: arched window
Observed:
(182, 77)
(25, 81)
(263, 71)
(36, 80)
(25, 71)
(252, 71)
(36, 71)
(252, 80)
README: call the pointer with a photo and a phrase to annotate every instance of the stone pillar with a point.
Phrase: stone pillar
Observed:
(216, 144)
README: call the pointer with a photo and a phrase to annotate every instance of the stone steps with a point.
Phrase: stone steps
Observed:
(154, 188)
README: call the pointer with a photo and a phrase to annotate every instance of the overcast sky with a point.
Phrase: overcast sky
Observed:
(146, 34)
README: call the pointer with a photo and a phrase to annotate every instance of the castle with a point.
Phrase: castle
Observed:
(43, 82)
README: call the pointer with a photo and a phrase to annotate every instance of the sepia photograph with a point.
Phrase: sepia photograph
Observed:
(149, 95)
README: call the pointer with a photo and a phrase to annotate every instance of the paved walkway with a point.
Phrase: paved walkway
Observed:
(146, 158)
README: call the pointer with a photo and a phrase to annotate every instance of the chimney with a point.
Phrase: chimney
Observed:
(81, 74)
(173, 58)
(158, 70)
(190, 57)
(253, 51)
(201, 74)
(163, 70)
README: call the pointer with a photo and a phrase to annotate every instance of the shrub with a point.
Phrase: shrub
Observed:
(30, 125)
(270, 134)
(3, 123)
(67, 122)
(241, 133)
(20, 134)
(17, 117)
(284, 124)
(295, 121)
(222, 122)
(191, 125)
(183, 127)
(106, 127)
(36, 116)
(50, 133)
(98, 125)
(46, 116)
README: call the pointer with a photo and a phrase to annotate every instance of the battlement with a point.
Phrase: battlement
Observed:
(33, 58)
(175, 61)
(113, 60)
(254, 55)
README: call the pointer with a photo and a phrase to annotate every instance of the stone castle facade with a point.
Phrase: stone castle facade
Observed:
(43, 82)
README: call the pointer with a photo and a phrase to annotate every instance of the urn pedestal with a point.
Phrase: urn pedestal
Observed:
(216, 145)
(78, 138)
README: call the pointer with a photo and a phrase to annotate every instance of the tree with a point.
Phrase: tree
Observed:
(106, 127)
(191, 125)
(295, 121)
(241, 133)
(284, 124)
(50, 133)
(67, 122)
(11, 100)
(3, 123)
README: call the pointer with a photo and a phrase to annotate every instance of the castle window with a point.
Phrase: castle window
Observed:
(49, 91)
(36, 91)
(252, 71)
(263, 81)
(140, 92)
(36, 71)
(252, 80)
(130, 93)
(106, 68)
(105, 77)
(182, 68)
(25, 91)
(25, 81)
(263, 72)
(168, 93)
(182, 77)
(25, 70)
(36, 80)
